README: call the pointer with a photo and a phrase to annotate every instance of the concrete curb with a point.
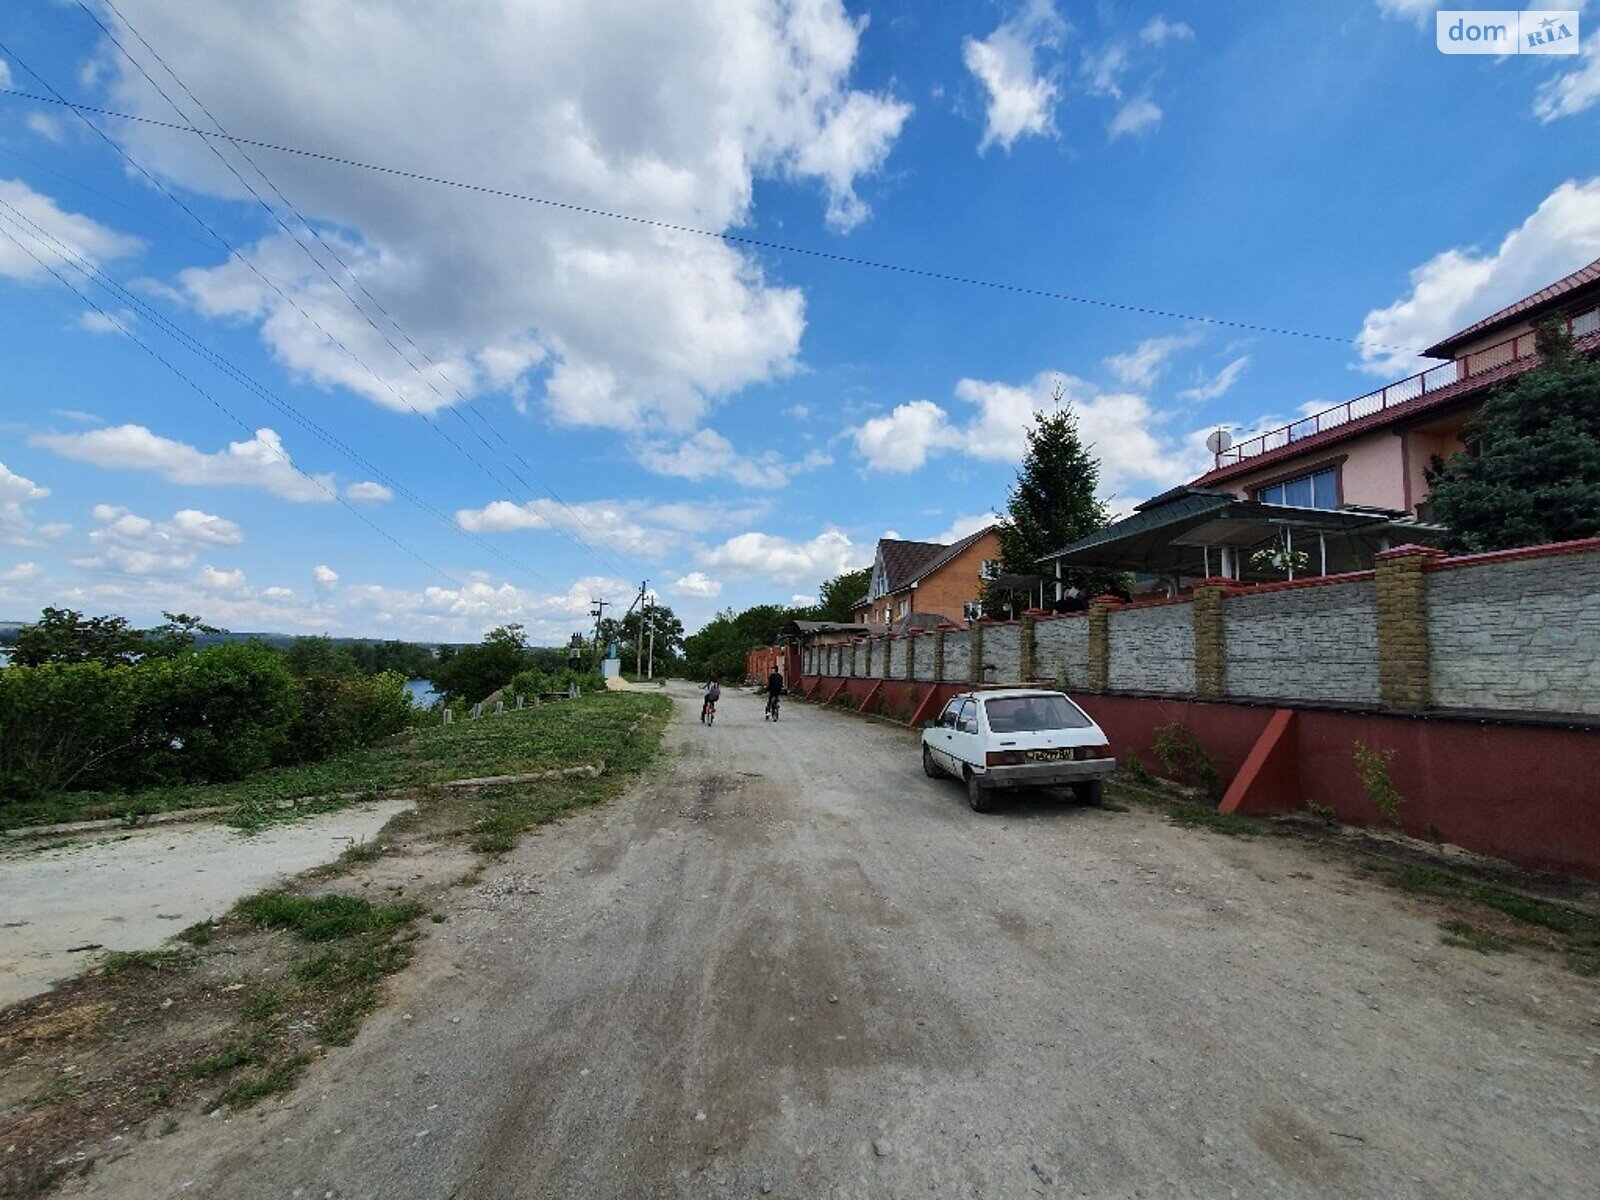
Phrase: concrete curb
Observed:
(179, 816)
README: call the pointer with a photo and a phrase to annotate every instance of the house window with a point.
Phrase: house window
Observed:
(905, 607)
(990, 568)
(971, 610)
(1317, 490)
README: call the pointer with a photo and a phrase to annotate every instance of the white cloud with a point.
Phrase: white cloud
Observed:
(965, 526)
(1220, 383)
(45, 126)
(77, 416)
(92, 320)
(21, 573)
(784, 560)
(699, 584)
(1122, 429)
(801, 600)
(1572, 93)
(707, 454)
(1462, 285)
(1143, 365)
(1420, 11)
(135, 545)
(260, 462)
(16, 524)
(669, 112)
(1103, 68)
(1022, 101)
(369, 492)
(1158, 31)
(5, 74)
(1138, 116)
(325, 575)
(79, 236)
(213, 579)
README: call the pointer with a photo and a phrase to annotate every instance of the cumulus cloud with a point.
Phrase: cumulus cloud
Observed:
(325, 575)
(1573, 92)
(1022, 100)
(368, 492)
(17, 527)
(777, 559)
(708, 455)
(632, 526)
(964, 527)
(668, 112)
(1122, 428)
(259, 462)
(1158, 31)
(21, 573)
(92, 320)
(78, 236)
(1461, 285)
(135, 545)
(1220, 383)
(698, 584)
(214, 579)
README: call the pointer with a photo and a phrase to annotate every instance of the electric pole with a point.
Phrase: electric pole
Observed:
(597, 612)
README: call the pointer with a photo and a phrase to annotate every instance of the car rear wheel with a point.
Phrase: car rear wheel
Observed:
(981, 798)
(929, 767)
(1091, 793)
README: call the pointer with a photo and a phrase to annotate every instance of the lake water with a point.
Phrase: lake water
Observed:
(421, 692)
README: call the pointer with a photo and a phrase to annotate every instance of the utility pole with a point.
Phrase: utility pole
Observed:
(651, 666)
(597, 612)
(638, 666)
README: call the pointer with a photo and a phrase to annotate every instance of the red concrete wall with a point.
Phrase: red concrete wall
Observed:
(759, 662)
(1523, 792)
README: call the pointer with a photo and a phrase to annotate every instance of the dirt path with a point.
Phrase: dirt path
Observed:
(133, 891)
(793, 966)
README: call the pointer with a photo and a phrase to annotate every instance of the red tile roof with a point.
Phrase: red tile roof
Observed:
(1545, 298)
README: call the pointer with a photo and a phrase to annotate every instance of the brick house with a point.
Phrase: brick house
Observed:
(1376, 450)
(922, 583)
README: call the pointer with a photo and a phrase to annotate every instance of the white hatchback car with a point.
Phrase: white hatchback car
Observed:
(1017, 737)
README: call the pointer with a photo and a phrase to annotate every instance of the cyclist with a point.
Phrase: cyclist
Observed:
(774, 690)
(713, 693)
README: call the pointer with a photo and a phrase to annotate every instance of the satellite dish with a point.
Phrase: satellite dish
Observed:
(1219, 441)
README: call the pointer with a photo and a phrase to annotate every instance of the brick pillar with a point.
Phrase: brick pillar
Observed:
(1100, 642)
(975, 652)
(938, 655)
(1403, 680)
(911, 654)
(1210, 654)
(1025, 643)
(855, 648)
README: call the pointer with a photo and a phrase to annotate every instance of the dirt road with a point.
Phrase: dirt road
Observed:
(791, 965)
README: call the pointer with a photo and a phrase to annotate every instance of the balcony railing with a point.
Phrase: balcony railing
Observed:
(1403, 391)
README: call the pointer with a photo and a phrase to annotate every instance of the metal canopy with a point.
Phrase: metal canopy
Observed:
(1176, 533)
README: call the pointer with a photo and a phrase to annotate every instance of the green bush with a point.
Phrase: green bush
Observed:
(335, 714)
(64, 725)
(531, 682)
(217, 714)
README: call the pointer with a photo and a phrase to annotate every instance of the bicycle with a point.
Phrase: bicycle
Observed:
(772, 708)
(708, 712)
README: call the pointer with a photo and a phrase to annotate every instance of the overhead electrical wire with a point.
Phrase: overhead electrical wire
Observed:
(123, 295)
(333, 251)
(718, 235)
(223, 408)
(245, 261)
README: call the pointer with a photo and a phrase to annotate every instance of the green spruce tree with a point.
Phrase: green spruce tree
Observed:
(1531, 470)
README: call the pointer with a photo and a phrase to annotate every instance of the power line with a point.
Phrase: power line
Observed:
(334, 253)
(123, 295)
(226, 411)
(722, 236)
(234, 253)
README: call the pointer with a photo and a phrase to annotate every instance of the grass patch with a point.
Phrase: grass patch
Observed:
(325, 918)
(1473, 937)
(199, 934)
(279, 1078)
(1198, 816)
(263, 1005)
(119, 962)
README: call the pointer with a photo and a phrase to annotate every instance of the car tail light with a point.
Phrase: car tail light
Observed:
(1094, 751)
(1004, 758)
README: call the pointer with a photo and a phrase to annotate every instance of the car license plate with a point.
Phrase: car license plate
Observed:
(1049, 755)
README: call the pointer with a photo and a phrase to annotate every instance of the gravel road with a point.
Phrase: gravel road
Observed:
(790, 965)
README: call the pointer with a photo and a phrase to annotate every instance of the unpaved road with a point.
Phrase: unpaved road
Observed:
(791, 965)
(133, 891)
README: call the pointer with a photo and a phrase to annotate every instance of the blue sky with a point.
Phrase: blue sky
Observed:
(486, 410)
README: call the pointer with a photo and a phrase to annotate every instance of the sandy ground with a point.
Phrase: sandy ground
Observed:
(133, 891)
(790, 965)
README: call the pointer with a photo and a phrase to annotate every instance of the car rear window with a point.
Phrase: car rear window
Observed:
(1029, 714)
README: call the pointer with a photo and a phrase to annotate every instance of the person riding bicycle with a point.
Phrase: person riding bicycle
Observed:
(774, 690)
(713, 693)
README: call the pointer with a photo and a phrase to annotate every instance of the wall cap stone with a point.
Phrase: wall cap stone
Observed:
(1409, 551)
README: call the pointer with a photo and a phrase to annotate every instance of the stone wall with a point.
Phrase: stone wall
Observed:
(957, 656)
(1516, 634)
(1152, 649)
(1303, 643)
(1061, 648)
(1002, 645)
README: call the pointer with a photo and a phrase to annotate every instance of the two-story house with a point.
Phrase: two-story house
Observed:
(926, 582)
(1335, 487)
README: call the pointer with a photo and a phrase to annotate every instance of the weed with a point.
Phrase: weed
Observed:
(360, 852)
(339, 1026)
(1372, 769)
(280, 1078)
(246, 1052)
(325, 918)
(1198, 816)
(199, 934)
(1133, 767)
(1322, 812)
(1181, 753)
(1472, 937)
(263, 1005)
(119, 961)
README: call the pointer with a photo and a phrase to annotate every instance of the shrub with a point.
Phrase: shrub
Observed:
(64, 725)
(1181, 753)
(1372, 769)
(217, 714)
(339, 714)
